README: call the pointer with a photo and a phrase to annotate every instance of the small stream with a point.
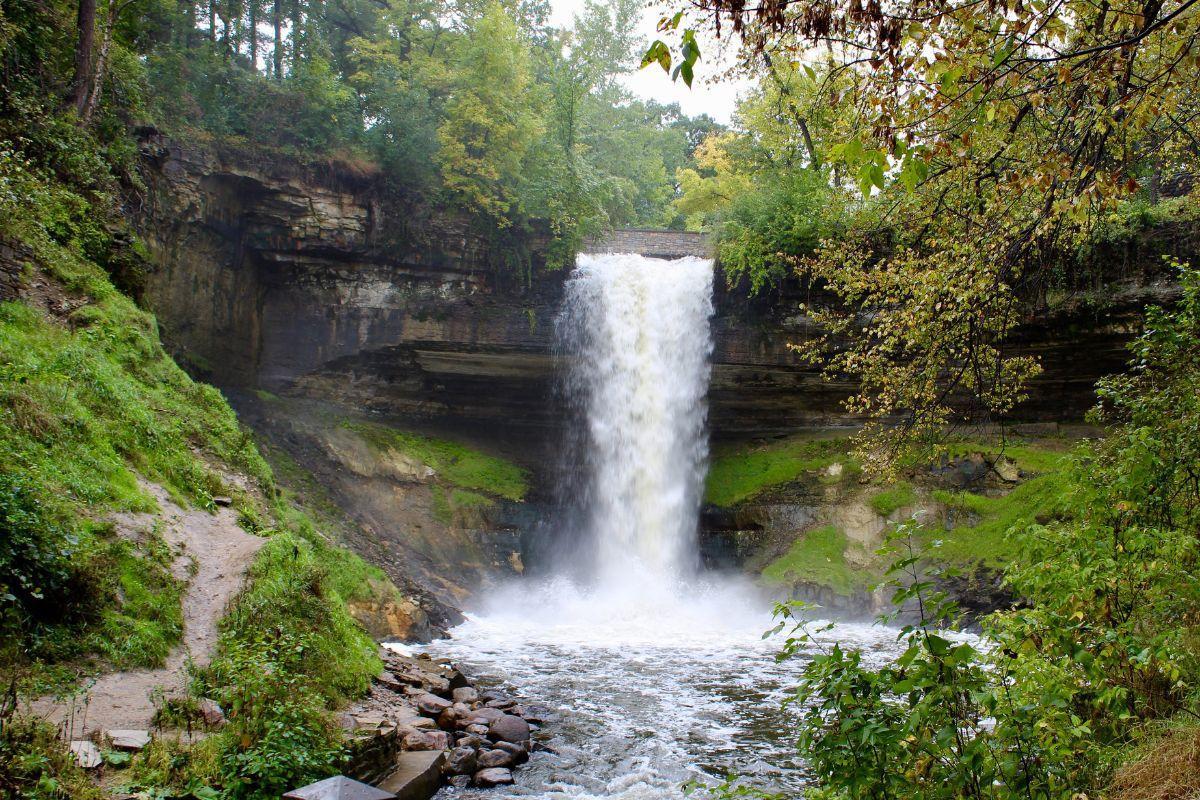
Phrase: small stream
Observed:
(646, 698)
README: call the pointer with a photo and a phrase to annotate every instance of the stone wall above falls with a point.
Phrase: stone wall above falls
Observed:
(652, 243)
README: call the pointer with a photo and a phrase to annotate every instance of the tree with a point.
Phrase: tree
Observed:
(491, 117)
(1000, 133)
(85, 43)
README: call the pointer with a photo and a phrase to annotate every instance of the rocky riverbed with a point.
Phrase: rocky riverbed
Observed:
(419, 703)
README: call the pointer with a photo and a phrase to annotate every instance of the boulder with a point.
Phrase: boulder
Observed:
(484, 716)
(461, 761)
(465, 694)
(431, 705)
(426, 740)
(496, 776)
(533, 714)
(473, 741)
(460, 781)
(477, 730)
(423, 723)
(214, 715)
(519, 753)
(495, 758)
(503, 703)
(509, 728)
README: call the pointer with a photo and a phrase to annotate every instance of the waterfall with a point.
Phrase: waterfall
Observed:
(636, 333)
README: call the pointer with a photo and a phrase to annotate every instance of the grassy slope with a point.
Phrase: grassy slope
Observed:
(738, 474)
(817, 556)
(455, 464)
(90, 401)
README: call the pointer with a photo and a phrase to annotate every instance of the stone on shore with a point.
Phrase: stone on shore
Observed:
(461, 761)
(494, 758)
(465, 694)
(509, 728)
(519, 752)
(431, 705)
(426, 740)
(496, 776)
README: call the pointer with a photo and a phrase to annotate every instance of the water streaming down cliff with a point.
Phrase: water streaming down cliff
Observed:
(634, 332)
(657, 673)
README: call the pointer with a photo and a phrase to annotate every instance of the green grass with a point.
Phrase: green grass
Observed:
(817, 556)
(739, 474)
(890, 500)
(990, 541)
(456, 464)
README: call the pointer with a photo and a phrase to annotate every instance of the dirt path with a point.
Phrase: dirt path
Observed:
(222, 552)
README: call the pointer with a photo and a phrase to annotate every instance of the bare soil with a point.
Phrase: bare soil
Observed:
(221, 552)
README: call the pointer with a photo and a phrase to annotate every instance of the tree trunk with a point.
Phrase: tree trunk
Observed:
(83, 55)
(277, 23)
(93, 99)
(297, 35)
(212, 21)
(252, 35)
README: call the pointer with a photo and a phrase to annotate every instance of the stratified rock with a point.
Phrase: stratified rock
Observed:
(86, 754)
(461, 761)
(495, 758)
(509, 729)
(496, 776)
(128, 740)
(465, 694)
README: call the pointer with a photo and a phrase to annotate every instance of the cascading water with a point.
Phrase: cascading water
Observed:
(656, 672)
(635, 331)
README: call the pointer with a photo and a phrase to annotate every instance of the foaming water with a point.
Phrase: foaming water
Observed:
(655, 673)
(645, 696)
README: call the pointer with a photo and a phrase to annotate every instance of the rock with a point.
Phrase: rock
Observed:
(478, 730)
(431, 705)
(461, 761)
(535, 715)
(391, 681)
(214, 716)
(128, 740)
(518, 751)
(484, 716)
(1007, 469)
(509, 728)
(502, 704)
(426, 740)
(86, 754)
(495, 758)
(465, 694)
(423, 723)
(474, 741)
(222, 500)
(496, 776)
(460, 781)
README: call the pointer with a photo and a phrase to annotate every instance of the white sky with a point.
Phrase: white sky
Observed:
(707, 96)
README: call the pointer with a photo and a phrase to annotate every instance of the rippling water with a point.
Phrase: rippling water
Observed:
(648, 695)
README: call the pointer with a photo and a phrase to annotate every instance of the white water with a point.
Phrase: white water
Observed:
(656, 673)
(636, 331)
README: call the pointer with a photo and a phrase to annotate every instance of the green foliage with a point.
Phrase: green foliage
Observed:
(817, 556)
(289, 652)
(454, 463)
(1103, 645)
(35, 763)
(738, 474)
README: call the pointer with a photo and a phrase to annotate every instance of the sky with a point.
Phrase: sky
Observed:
(717, 99)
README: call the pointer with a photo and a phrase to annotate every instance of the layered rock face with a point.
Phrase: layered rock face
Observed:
(317, 283)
